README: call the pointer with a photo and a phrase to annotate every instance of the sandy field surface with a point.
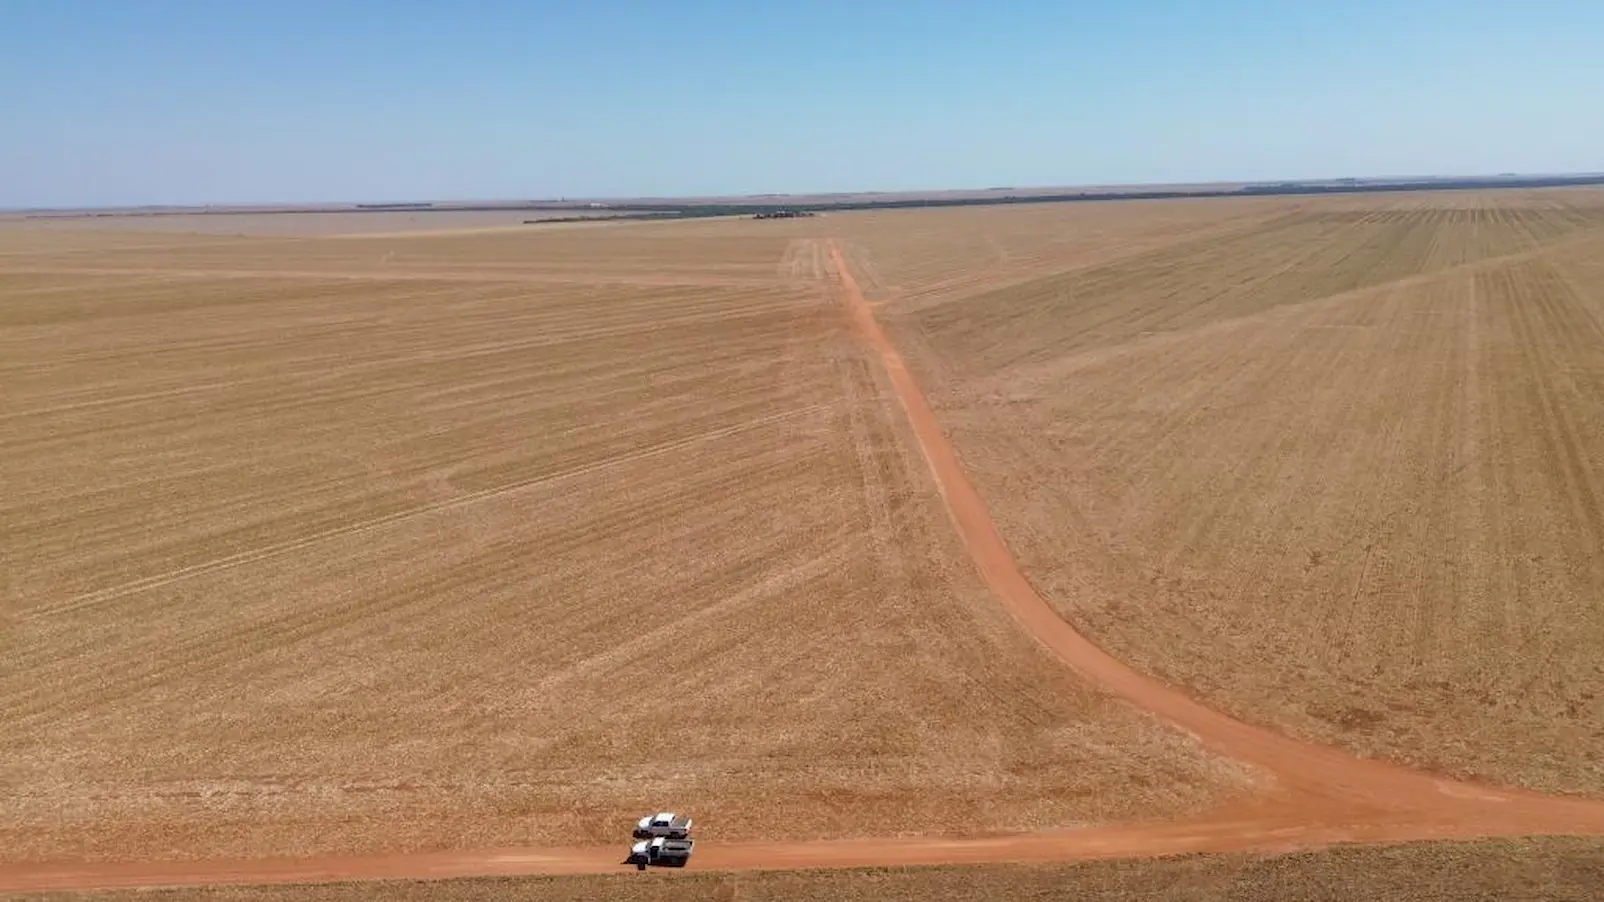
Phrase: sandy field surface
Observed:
(1545, 870)
(915, 528)
(1337, 466)
(324, 223)
(345, 545)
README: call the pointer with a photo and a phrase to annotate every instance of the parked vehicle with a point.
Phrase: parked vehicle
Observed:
(663, 851)
(663, 824)
(673, 853)
(640, 854)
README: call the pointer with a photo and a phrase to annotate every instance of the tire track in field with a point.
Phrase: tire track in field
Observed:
(1314, 784)
(1318, 796)
(254, 555)
(175, 657)
(1543, 317)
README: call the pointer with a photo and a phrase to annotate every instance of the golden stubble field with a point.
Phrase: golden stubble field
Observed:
(1336, 465)
(334, 544)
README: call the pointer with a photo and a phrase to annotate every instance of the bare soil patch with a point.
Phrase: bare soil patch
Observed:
(301, 558)
(1337, 470)
(1546, 870)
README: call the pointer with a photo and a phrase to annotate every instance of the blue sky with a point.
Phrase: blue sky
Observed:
(110, 102)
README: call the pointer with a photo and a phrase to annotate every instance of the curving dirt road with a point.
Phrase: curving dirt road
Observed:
(1312, 795)
(1312, 784)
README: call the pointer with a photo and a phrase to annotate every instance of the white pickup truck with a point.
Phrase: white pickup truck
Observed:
(663, 851)
(664, 824)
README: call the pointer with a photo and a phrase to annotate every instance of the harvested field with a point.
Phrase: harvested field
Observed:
(488, 539)
(1546, 870)
(347, 544)
(285, 223)
(923, 258)
(1337, 467)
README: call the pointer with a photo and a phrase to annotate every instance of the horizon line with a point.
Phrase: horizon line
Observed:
(816, 198)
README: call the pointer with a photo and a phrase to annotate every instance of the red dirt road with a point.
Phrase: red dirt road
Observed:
(1312, 784)
(1311, 796)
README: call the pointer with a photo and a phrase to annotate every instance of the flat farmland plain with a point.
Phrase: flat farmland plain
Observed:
(338, 544)
(481, 538)
(1336, 466)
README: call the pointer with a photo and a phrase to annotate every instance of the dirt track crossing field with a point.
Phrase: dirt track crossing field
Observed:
(1338, 470)
(1293, 795)
(308, 564)
(1543, 870)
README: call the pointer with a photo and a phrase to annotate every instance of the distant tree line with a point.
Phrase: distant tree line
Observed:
(1340, 186)
(669, 210)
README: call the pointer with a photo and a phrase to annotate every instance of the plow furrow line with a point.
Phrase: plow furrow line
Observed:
(255, 555)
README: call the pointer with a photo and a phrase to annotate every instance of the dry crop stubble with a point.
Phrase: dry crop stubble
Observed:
(1338, 472)
(1537, 870)
(326, 545)
(927, 257)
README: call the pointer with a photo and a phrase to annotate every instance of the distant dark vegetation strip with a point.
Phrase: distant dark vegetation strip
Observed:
(605, 218)
(699, 210)
(1291, 188)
